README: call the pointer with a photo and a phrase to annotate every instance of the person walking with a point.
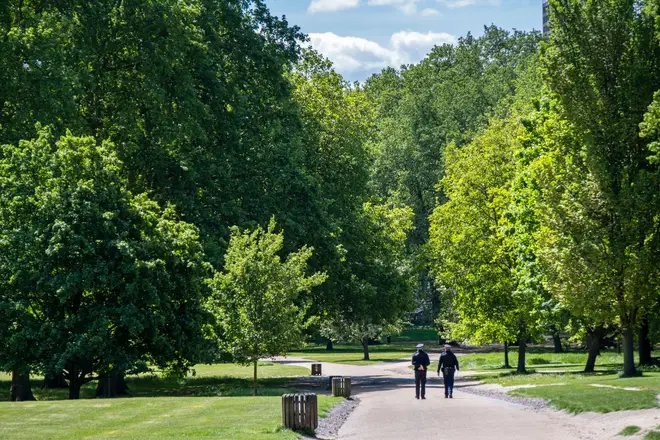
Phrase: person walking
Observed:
(420, 361)
(448, 364)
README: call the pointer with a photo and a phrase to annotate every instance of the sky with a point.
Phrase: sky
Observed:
(362, 37)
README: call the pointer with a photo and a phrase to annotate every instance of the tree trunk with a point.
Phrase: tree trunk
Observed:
(506, 355)
(645, 347)
(593, 345)
(74, 384)
(365, 348)
(56, 382)
(328, 345)
(254, 379)
(74, 389)
(629, 369)
(111, 385)
(21, 390)
(522, 351)
(556, 339)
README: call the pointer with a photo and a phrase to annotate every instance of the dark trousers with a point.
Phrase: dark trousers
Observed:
(448, 379)
(420, 381)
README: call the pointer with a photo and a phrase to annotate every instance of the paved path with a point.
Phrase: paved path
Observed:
(388, 410)
(396, 414)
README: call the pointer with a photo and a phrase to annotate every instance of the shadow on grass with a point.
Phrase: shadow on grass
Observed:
(535, 372)
(403, 348)
(154, 386)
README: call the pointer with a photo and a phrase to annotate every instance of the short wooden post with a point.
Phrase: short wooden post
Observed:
(316, 370)
(341, 387)
(300, 411)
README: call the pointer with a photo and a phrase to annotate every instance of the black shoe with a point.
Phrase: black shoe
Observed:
(451, 397)
(423, 398)
(417, 397)
(446, 396)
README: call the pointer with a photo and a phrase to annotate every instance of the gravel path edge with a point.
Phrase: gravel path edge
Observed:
(329, 426)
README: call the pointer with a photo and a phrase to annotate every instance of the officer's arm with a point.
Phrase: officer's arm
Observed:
(427, 361)
(439, 364)
(456, 362)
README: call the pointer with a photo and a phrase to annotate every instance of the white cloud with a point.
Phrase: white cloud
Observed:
(353, 54)
(464, 3)
(331, 5)
(404, 40)
(408, 7)
(429, 12)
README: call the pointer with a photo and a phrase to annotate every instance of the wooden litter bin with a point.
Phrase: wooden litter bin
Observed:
(316, 370)
(341, 387)
(300, 411)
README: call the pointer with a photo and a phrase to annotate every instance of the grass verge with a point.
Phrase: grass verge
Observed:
(352, 355)
(220, 380)
(236, 418)
(215, 403)
(630, 430)
(600, 392)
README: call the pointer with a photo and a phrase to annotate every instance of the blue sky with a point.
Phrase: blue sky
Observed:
(363, 36)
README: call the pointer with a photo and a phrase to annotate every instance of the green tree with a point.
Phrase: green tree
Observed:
(94, 279)
(377, 287)
(445, 99)
(357, 242)
(198, 119)
(336, 122)
(601, 66)
(255, 298)
(483, 238)
(472, 255)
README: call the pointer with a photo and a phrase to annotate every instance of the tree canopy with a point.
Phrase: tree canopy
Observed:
(505, 187)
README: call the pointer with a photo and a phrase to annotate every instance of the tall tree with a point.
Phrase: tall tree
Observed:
(602, 64)
(470, 242)
(94, 278)
(443, 100)
(357, 240)
(192, 95)
(483, 237)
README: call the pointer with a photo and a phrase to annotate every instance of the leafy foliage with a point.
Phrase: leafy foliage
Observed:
(94, 278)
(254, 298)
(602, 228)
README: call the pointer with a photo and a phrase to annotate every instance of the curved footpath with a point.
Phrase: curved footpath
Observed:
(388, 410)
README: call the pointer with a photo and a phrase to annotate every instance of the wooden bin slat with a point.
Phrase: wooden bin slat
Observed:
(341, 387)
(300, 411)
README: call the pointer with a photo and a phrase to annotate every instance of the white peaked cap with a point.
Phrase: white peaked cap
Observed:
(420, 345)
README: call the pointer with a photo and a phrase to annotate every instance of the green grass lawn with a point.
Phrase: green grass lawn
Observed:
(630, 430)
(416, 335)
(215, 403)
(402, 347)
(348, 354)
(575, 392)
(539, 360)
(208, 381)
(236, 418)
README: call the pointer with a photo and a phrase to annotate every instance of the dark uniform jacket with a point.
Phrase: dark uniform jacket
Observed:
(448, 360)
(421, 359)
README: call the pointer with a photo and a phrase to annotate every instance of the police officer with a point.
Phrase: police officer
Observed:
(449, 365)
(420, 361)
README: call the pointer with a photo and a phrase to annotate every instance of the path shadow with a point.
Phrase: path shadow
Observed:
(368, 383)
